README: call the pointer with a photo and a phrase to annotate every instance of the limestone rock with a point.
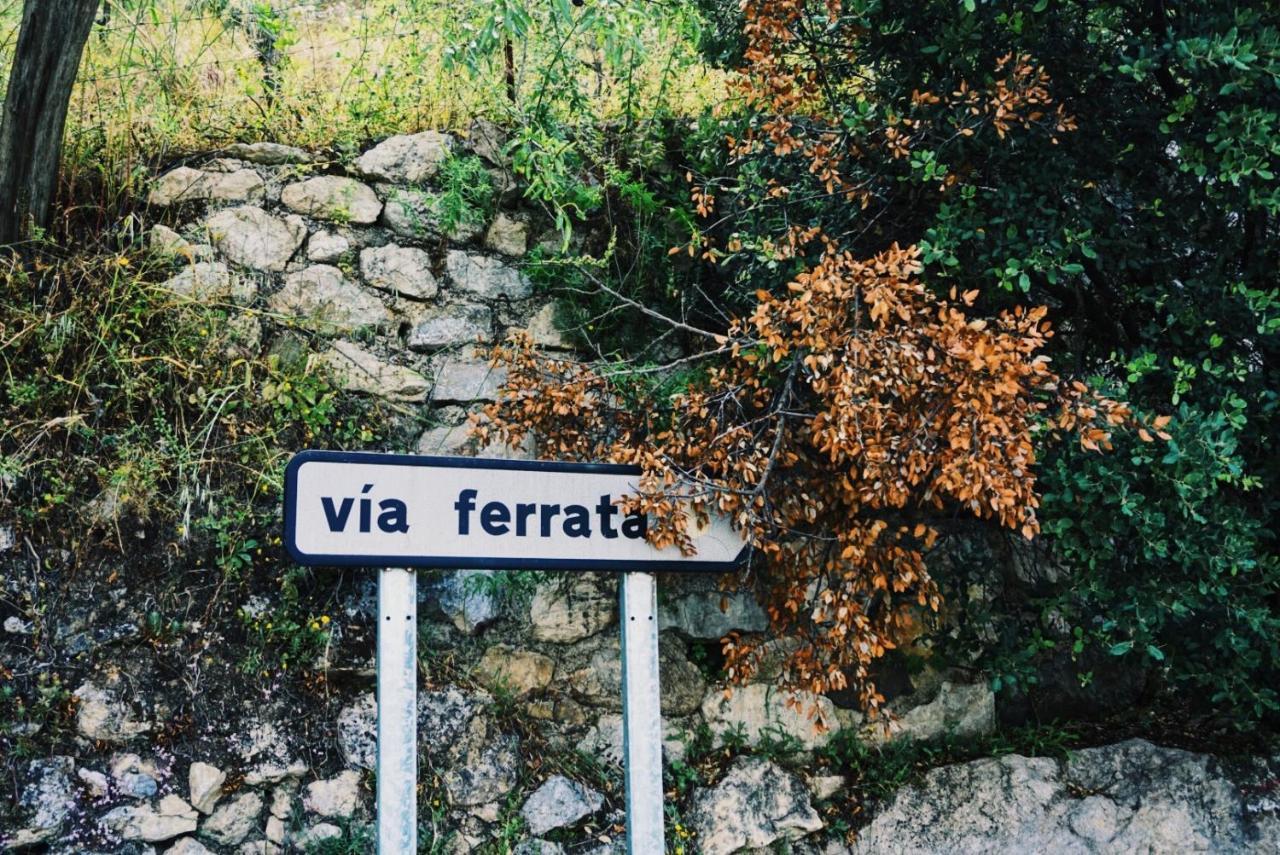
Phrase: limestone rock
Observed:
(243, 185)
(754, 805)
(965, 710)
(326, 247)
(274, 773)
(538, 846)
(322, 298)
(103, 716)
(223, 164)
(466, 598)
(185, 184)
(134, 776)
(605, 738)
(205, 785)
(358, 732)
(447, 714)
(825, 787)
(166, 241)
(459, 379)
(275, 830)
(244, 334)
(406, 158)
(773, 657)
(507, 235)
(698, 614)
(411, 213)
(188, 846)
(443, 718)
(521, 672)
(451, 325)
(542, 328)
(334, 198)
(486, 766)
(488, 141)
(683, 685)
(570, 609)
(1128, 797)
(47, 799)
(235, 820)
(316, 835)
(558, 803)
(206, 282)
(177, 185)
(336, 797)
(599, 683)
(251, 237)
(759, 709)
(282, 800)
(455, 439)
(264, 745)
(443, 439)
(172, 818)
(486, 277)
(269, 153)
(95, 782)
(357, 370)
(405, 271)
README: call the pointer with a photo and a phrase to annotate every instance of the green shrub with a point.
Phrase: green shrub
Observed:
(467, 194)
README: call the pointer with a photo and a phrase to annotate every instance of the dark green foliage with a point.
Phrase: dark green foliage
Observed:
(1150, 230)
(1173, 562)
(876, 772)
(467, 196)
(619, 208)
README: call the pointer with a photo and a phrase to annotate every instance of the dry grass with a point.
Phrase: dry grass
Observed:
(167, 77)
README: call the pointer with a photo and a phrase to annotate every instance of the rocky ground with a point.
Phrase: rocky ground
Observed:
(169, 747)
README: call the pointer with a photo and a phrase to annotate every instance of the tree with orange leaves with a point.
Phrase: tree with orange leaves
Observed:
(838, 426)
(847, 414)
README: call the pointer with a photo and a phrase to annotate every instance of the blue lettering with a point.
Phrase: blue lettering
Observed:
(394, 516)
(337, 519)
(464, 506)
(577, 521)
(494, 518)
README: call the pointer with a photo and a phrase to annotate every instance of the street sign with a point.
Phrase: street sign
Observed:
(382, 510)
(394, 512)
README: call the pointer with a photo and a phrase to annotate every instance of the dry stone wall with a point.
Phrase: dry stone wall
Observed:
(398, 306)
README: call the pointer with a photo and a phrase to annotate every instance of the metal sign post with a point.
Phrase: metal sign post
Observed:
(397, 710)
(386, 510)
(641, 712)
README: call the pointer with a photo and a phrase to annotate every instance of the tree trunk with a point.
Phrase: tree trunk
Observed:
(509, 62)
(45, 62)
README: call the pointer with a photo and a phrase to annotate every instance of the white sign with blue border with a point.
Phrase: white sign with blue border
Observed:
(381, 510)
(397, 512)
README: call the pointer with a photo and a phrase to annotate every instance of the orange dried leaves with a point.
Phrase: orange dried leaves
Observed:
(878, 409)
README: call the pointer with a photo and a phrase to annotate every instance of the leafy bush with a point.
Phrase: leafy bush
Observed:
(1168, 560)
(466, 193)
(1115, 163)
(131, 410)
